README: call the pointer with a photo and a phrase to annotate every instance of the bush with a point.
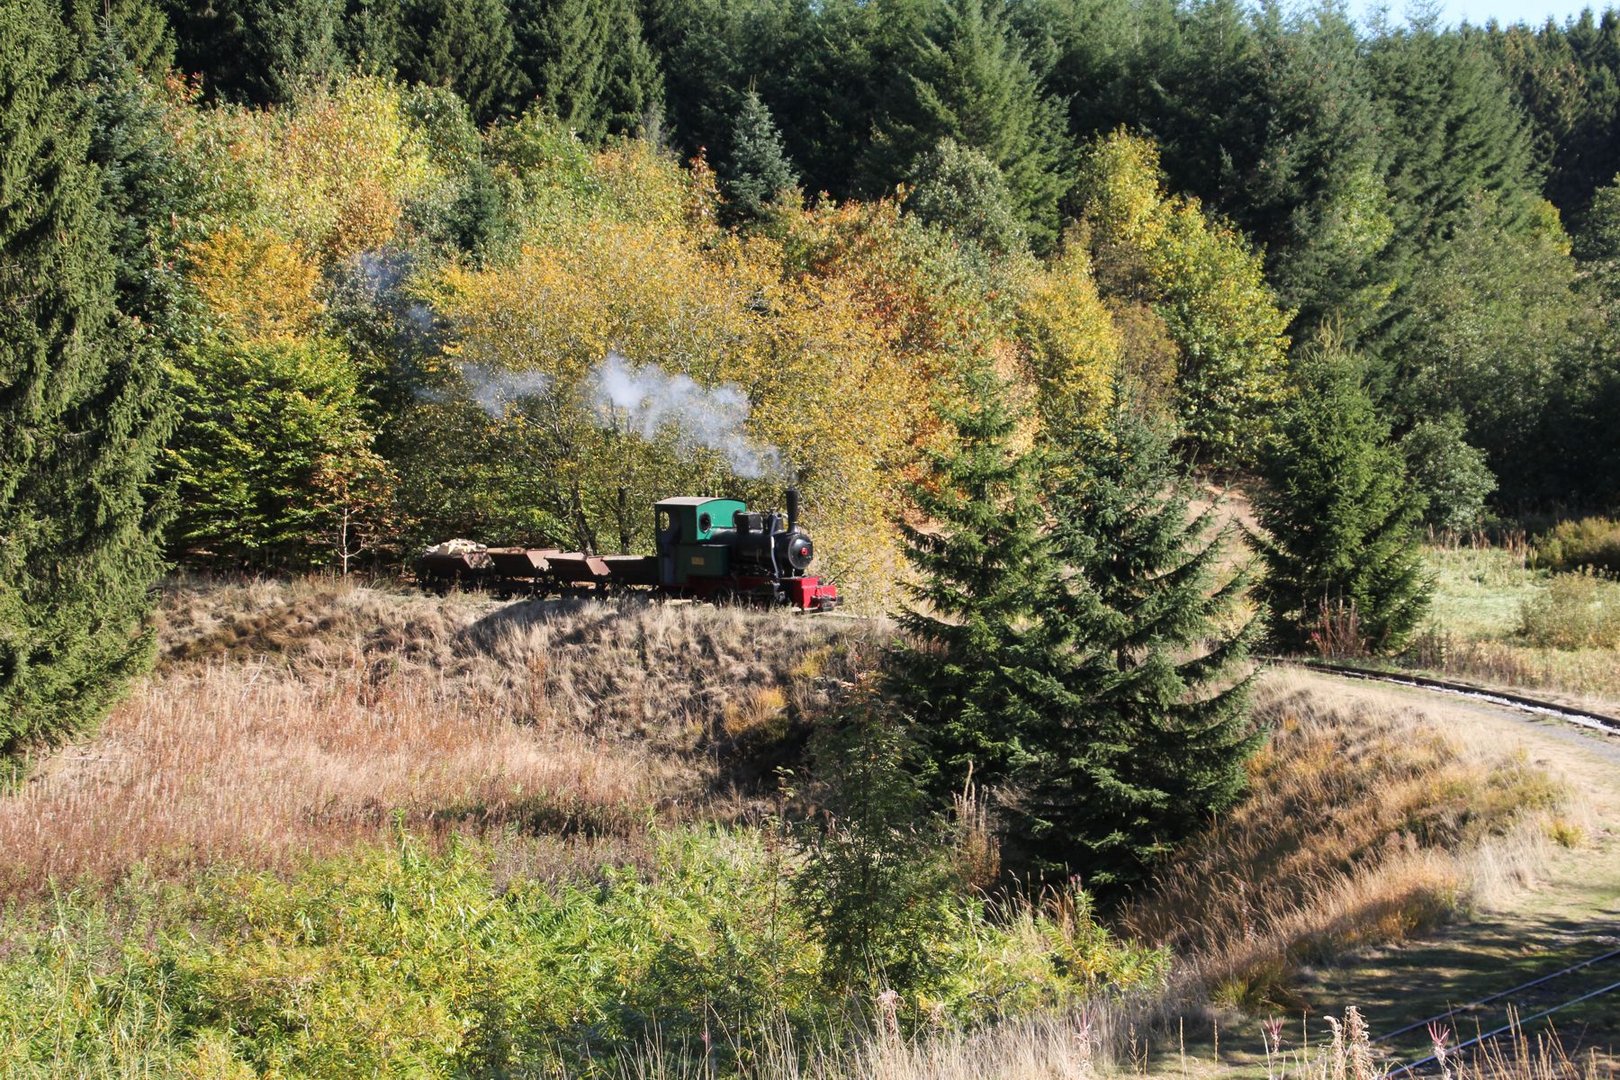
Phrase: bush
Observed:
(1451, 474)
(877, 882)
(1575, 611)
(393, 963)
(1592, 543)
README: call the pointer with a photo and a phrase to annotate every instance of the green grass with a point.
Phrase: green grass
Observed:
(1480, 592)
(1498, 620)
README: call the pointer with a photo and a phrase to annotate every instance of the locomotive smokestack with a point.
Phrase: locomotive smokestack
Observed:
(792, 507)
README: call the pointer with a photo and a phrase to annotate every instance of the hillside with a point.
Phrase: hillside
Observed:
(286, 720)
(1081, 364)
(308, 728)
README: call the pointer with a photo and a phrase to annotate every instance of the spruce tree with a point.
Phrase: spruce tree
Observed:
(755, 169)
(588, 63)
(139, 26)
(1339, 518)
(632, 98)
(970, 676)
(1567, 79)
(466, 45)
(967, 79)
(1149, 732)
(82, 409)
(1452, 135)
(561, 50)
(371, 34)
(144, 186)
(259, 51)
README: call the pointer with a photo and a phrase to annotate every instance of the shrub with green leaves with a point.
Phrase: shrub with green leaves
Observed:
(1575, 611)
(275, 447)
(407, 963)
(1592, 542)
(1451, 474)
(877, 884)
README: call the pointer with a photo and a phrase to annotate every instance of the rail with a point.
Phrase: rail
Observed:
(1586, 718)
(1511, 1026)
(1499, 995)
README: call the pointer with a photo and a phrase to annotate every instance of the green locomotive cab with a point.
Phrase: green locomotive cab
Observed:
(691, 537)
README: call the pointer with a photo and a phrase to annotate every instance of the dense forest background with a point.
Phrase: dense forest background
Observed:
(292, 283)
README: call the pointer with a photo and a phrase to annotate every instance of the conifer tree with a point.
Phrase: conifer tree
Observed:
(139, 26)
(588, 63)
(1451, 134)
(371, 34)
(967, 79)
(969, 676)
(259, 51)
(1149, 731)
(143, 183)
(755, 169)
(466, 45)
(632, 97)
(1339, 518)
(82, 409)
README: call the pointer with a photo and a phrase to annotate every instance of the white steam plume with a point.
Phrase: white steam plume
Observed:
(650, 399)
(493, 389)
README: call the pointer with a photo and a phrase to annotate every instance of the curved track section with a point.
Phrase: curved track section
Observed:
(1584, 718)
(1594, 721)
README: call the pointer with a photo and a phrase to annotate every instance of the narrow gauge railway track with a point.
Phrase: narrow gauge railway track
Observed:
(1513, 1027)
(1592, 721)
(1611, 958)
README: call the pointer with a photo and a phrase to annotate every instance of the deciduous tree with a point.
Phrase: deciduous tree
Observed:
(1206, 284)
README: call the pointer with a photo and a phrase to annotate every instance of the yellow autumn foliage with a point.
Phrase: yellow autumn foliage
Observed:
(257, 285)
(1073, 345)
(825, 388)
(332, 171)
(840, 326)
(1202, 278)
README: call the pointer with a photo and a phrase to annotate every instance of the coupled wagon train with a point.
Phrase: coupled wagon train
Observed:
(710, 549)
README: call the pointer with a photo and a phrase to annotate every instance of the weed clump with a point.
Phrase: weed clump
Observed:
(1591, 543)
(1575, 611)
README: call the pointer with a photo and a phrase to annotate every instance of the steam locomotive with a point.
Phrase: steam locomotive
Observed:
(706, 548)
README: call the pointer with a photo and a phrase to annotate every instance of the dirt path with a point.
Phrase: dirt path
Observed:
(1571, 914)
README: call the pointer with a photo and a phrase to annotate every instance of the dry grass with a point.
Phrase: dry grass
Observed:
(1092, 1043)
(1364, 825)
(294, 719)
(1585, 676)
(1070, 1046)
